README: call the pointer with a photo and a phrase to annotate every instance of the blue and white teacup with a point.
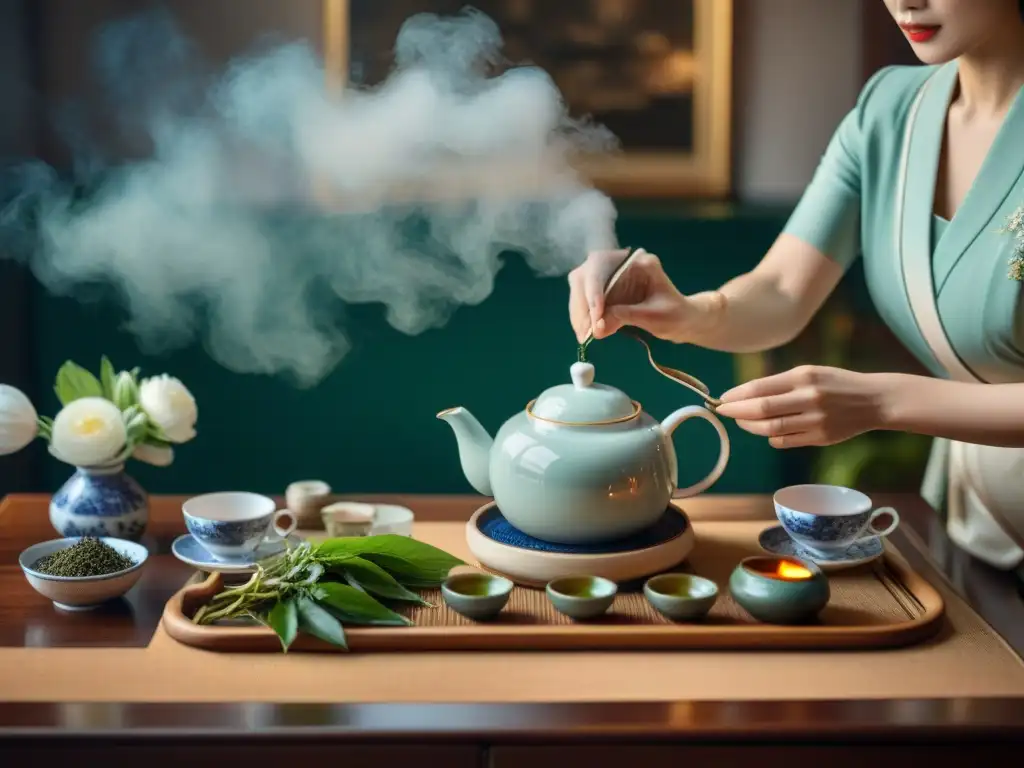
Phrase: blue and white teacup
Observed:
(827, 520)
(232, 524)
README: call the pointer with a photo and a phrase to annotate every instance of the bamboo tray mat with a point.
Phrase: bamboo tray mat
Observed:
(884, 604)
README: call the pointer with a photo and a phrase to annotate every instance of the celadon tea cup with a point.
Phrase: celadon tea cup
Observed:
(230, 525)
(829, 519)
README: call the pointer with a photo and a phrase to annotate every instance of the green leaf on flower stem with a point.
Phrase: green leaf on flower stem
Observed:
(74, 382)
(284, 620)
(407, 559)
(370, 577)
(45, 424)
(316, 621)
(126, 391)
(107, 378)
(356, 606)
(156, 436)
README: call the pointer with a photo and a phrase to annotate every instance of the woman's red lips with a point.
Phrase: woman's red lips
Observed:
(919, 33)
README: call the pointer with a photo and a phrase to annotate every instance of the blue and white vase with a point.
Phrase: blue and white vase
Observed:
(100, 501)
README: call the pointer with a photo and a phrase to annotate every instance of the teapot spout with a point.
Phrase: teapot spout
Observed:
(474, 447)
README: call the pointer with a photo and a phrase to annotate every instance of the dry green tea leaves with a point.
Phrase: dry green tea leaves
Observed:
(87, 557)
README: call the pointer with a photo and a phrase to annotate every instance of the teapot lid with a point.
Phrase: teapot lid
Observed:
(583, 401)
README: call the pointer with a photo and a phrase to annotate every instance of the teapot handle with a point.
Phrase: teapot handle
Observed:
(669, 425)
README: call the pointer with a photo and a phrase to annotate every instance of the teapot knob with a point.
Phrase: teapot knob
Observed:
(582, 375)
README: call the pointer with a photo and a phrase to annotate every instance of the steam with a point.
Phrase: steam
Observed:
(264, 202)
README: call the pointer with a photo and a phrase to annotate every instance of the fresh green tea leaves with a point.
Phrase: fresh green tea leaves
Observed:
(303, 590)
(581, 353)
(370, 577)
(319, 623)
(284, 620)
(359, 607)
(313, 573)
(74, 382)
(404, 557)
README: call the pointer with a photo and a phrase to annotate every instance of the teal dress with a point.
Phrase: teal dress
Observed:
(942, 287)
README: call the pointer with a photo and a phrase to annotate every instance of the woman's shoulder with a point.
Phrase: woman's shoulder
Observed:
(890, 91)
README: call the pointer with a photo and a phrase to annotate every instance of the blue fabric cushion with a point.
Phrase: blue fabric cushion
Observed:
(494, 526)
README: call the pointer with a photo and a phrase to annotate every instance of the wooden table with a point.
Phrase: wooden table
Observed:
(492, 733)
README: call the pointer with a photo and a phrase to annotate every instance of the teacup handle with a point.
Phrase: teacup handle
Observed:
(872, 531)
(280, 532)
(672, 422)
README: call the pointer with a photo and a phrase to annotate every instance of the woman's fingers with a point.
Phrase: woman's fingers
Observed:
(622, 315)
(779, 426)
(799, 440)
(767, 406)
(579, 310)
(594, 279)
(591, 311)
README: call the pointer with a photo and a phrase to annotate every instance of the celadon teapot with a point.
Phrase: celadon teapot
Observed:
(582, 464)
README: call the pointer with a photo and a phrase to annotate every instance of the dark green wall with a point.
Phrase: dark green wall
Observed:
(370, 425)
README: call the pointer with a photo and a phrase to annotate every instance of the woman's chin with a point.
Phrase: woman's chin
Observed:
(932, 54)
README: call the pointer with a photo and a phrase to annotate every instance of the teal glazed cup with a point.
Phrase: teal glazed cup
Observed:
(779, 590)
(477, 596)
(681, 596)
(581, 597)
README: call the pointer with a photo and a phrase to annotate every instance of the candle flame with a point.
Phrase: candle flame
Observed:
(788, 570)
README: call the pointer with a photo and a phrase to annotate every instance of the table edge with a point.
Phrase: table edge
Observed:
(781, 720)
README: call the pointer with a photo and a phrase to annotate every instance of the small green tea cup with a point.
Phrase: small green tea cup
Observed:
(681, 596)
(581, 597)
(779, 590)
(478, 596)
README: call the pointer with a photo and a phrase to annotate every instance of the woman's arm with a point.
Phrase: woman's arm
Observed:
(768, 306)
(761, 309)
(816, 405)
(985, 414)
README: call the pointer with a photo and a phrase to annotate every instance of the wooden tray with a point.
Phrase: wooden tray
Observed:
(880, 605)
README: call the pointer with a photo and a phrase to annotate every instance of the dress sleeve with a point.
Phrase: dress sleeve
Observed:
(828, 214)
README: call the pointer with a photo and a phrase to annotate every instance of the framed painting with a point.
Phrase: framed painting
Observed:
(656, 73)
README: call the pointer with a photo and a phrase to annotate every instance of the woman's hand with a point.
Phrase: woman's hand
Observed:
(810, 405)
(644, 297)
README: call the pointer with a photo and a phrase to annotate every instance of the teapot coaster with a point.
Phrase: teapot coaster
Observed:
(528, 561)
(494, 526)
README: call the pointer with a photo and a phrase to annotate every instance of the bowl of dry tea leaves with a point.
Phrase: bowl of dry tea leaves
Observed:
(79, 574)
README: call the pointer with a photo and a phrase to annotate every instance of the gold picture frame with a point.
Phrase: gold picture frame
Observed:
(704, 171)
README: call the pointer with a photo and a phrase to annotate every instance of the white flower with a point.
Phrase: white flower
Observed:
(158, 456)
(170, 406)
(88, 432)
(18, 420)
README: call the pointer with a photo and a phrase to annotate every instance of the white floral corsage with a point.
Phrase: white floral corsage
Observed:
(1015, 227)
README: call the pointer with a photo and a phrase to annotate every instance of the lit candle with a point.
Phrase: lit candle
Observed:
(788, 570)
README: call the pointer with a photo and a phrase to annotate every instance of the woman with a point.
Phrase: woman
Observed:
(919, 179)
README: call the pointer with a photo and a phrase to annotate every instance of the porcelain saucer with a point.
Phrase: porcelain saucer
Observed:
(776, 541)
(190, 551)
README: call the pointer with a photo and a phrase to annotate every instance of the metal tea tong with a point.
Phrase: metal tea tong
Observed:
(680, 377)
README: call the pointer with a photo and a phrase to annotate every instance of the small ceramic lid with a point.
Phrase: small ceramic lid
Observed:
(583, 401)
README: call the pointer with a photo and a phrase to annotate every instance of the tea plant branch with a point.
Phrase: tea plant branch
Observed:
(318, 589)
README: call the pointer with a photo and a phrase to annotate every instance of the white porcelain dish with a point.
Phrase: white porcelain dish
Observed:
(82, 593)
